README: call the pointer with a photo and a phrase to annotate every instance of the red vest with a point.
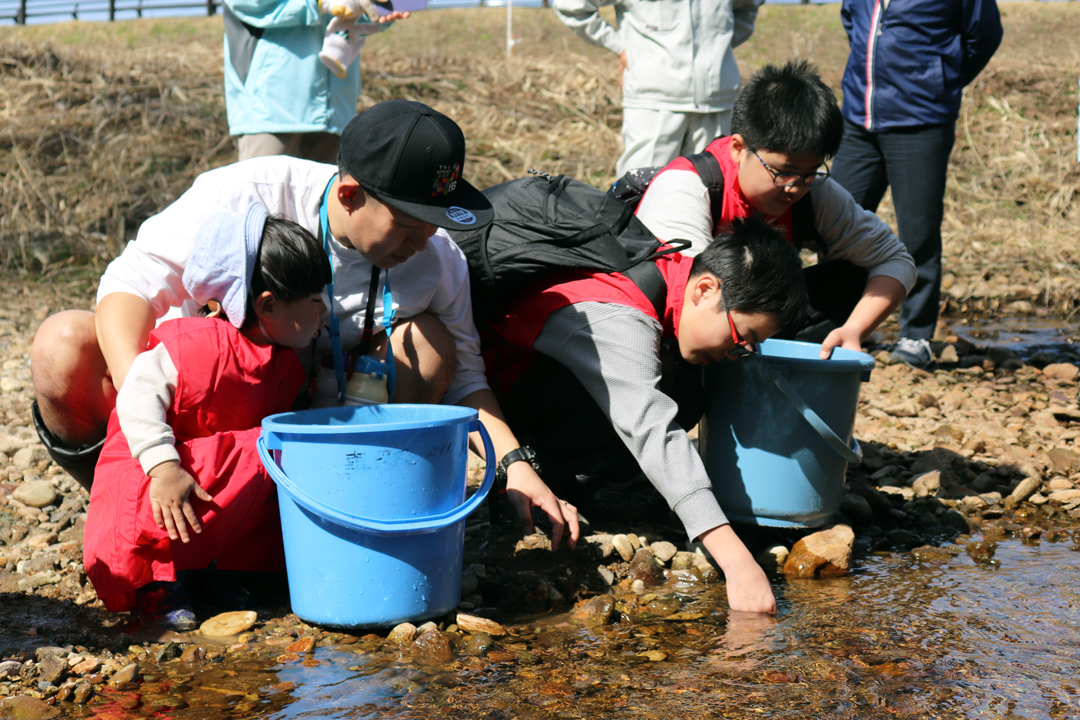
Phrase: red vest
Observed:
(523, 318)
(735, 205)
(226, 385)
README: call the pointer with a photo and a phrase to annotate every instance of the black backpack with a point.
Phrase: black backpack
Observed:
(545, 222)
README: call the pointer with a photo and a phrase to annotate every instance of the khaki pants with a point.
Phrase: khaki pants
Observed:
(319, 146)
(656, 137)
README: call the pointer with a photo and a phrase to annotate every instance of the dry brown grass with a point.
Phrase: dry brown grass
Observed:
(101, 125)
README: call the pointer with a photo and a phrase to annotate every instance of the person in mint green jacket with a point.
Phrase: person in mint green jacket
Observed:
(676, 65)
(279, 96)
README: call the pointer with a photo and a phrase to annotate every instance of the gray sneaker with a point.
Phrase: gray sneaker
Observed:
(916, 353)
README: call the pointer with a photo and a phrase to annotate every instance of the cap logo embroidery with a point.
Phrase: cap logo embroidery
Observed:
(446, 177)
(460, 215)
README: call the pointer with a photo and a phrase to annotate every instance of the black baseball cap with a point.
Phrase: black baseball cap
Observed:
(411, 158)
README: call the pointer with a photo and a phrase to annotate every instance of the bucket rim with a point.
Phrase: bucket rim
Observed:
(450, 415)
(842, 360)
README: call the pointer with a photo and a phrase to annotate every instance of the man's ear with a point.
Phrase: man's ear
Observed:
(349, 193)
(264, 304)
(737, 147)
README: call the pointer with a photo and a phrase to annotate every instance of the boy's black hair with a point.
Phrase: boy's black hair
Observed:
(788, 110)
(760, 270)
(291, 264)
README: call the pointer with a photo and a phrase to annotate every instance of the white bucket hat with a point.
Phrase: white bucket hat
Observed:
(223, 259)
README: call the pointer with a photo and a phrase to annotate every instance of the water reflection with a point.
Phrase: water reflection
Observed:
(897, 639)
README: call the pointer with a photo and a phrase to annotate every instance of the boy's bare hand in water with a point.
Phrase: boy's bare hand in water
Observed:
(170, 486)
(748, 587)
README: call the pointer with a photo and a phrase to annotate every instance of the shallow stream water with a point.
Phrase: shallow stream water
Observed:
(898, 638)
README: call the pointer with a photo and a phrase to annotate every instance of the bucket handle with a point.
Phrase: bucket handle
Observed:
(414, 526)
(852, 454)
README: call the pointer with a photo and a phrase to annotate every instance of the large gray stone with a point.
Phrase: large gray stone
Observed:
(36, 493)
(30, 456)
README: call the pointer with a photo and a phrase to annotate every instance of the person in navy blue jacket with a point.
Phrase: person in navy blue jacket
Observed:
(910, 61)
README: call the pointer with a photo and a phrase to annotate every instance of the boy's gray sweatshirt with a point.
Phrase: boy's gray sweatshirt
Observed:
(614, 351)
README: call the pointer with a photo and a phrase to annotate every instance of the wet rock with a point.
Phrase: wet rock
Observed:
(981, 550)
(623, 546)
(403, 634)
(663, 550)
(929, 553)
(644, 568)
(473, 624)
(52, 669)
(682, 560)
(169, 651)
(24, 707)
(599, 610)
(704, 571)
(36, 494)
(823, 554)
(126, 674)
(1063, 460)
(1062, 371)
(230, 623)
(607, 575)
(302, 646)
(432, 648)
(856, 508)
(477, 645)
(663, 607)
(653, 655)
(83, 692)
(536, 541)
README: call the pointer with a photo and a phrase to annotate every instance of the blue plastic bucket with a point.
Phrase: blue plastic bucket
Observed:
(373, 509)
(777, 434)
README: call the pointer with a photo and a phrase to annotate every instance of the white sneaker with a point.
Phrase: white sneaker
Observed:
(916, 353)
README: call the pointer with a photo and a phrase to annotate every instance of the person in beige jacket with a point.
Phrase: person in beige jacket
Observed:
(678, 72)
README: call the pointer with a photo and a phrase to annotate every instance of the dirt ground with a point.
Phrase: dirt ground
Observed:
(95, 141)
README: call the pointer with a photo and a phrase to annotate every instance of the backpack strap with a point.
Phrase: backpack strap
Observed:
(804, 226)
(708, 169)
(651, 282)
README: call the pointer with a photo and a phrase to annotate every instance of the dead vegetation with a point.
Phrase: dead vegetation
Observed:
(97, 136)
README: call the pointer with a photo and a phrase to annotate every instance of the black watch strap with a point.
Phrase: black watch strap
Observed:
(520, 454)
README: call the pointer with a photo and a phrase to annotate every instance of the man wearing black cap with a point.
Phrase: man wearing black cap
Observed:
(398, 182)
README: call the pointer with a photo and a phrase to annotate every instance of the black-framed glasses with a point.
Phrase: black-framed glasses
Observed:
(786, 180)
(744, 347)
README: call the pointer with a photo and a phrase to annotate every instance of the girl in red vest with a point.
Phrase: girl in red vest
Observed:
(179, 483)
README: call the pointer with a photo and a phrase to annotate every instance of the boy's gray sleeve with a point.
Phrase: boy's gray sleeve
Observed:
(859, 236)
(614, 352)
(583, 17)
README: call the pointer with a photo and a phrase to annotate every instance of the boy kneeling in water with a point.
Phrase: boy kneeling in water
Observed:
(586, 370)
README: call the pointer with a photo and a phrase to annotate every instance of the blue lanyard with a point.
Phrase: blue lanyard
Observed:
(335, 326)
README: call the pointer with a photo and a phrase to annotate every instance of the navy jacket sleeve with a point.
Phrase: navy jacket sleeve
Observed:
(981, 36)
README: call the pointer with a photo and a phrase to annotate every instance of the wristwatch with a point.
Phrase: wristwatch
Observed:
(521, 454)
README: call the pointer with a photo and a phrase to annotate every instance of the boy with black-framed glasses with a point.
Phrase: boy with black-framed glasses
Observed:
(785, 125)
